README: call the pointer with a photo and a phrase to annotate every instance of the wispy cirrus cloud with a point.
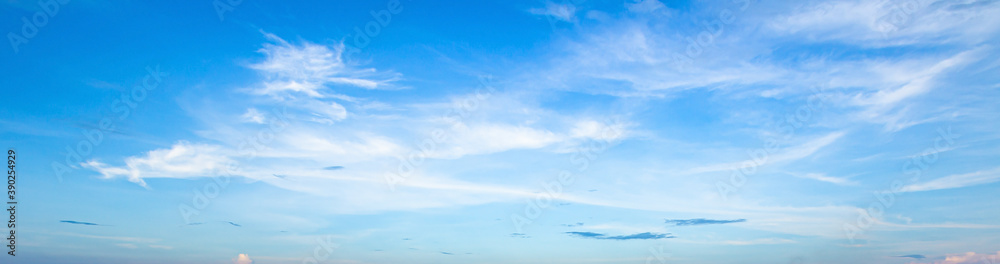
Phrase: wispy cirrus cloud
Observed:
(956, 181)
(645, 6)
(901, 81)
(311, 77)
(310, 68)
(564, 11)
(824, 178)
(788, 154)
(889, 23)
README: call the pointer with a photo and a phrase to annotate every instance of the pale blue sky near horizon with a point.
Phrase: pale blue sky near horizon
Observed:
(563, 131)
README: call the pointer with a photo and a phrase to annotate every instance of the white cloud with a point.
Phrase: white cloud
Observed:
(242, 259)
(182, 160)
(565, 12)
(643, 57)
(822, 177)
(645, 6)
(956, 181)
(304, 77)
(646, 57)
(368, 149)
(253, 116)
(482, 138)
(325, 112)
(161, 247)
(109, 172)
(891, 23)
(890, 92)
(308, 68)
(310, 144)
(783, 155)
(907, 79)
(591, 129)
(836, 16)
(970, 258)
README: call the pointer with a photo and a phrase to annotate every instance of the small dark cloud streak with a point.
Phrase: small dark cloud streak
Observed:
(78, 223)
(701, 221)
(646, 235)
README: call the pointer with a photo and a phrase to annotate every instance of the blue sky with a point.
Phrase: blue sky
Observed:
(574, 131)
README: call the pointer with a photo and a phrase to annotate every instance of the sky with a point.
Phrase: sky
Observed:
(542, 131)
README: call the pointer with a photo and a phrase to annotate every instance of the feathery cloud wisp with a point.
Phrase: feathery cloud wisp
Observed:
(565, 12)
(956, 181)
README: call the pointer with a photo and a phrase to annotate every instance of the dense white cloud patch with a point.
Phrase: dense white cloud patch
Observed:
(182, 160)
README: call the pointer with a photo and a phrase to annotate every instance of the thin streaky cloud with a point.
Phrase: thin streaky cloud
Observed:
(956, 181)
(824, 178)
